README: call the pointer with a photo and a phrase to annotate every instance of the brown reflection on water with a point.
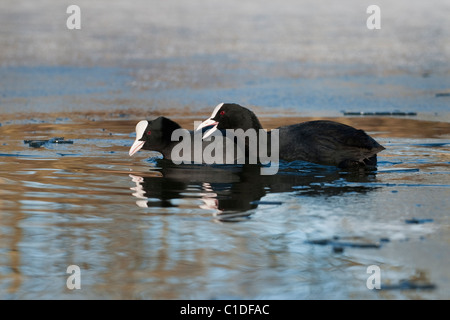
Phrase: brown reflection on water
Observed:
(124, 121)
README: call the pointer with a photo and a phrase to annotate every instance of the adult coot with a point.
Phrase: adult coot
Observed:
(155, 135)
(322, 142)
(179, 146)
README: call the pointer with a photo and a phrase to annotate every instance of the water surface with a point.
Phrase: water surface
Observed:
(141, 227)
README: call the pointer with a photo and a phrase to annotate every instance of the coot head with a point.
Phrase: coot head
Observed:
(230, 116)
(153, 135)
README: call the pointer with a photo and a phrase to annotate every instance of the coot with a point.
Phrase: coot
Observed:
(155, 135)
(322, 142)
(181, 146)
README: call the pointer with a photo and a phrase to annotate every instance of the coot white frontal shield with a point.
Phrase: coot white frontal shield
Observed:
(138, 144)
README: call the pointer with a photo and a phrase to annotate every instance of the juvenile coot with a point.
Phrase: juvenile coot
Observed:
(322, 142)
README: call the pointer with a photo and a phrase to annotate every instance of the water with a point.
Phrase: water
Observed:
(144, 228)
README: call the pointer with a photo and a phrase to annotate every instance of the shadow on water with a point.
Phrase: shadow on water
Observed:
(232, 191)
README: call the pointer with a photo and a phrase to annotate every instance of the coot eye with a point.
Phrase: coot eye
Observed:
(222, 113)
(149, 132)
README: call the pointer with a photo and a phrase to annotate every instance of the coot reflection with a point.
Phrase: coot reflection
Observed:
(230, 190)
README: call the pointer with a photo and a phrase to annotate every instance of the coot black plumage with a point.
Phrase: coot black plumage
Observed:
(322, 142)
(158, 135)
(155, 135)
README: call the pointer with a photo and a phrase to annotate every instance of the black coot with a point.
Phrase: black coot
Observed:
(158, 135)
(155, 135)
(322, 142)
